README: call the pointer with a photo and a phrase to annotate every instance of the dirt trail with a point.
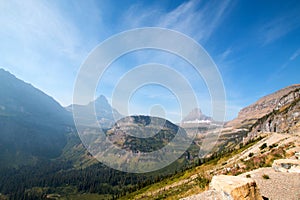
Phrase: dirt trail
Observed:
(279, 186)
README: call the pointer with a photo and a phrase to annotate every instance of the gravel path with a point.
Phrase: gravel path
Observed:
(280, 186)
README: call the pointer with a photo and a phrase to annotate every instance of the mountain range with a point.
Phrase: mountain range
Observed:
(34, 125)
(38, 134)
(41, 153)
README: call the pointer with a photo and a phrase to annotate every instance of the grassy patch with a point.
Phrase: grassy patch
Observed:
(264, 160)
(202, 181)
(3, 197)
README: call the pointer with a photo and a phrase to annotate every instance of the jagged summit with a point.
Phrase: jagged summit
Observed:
(196, 116)
(106, 115)
(101, 99)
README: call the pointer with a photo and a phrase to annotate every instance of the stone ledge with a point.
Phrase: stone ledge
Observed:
(286, 165)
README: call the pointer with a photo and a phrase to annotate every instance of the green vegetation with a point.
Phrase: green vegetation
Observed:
(59, 178)
(264, 160)
(263, 146)
(265, 176)
(273, 145)
(187, 182)
(202, 181)
(66, 178)
(3, 197)
(62, 193)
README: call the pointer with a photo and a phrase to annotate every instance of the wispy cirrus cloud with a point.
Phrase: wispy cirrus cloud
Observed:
(279, 27)
(292, 58)
(36, 21)
(194, 18)
(197, 19)
(295, 55)
(42, 43)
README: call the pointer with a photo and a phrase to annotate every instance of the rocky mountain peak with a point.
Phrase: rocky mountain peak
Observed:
(101, 100)
(196, 116)
(106, 115)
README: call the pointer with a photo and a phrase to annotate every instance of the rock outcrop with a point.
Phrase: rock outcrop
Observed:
(286, 165)
(277, 101)
(236, 188)
(278, 112)
(224, 187)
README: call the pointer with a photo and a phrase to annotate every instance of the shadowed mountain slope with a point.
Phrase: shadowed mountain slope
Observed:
(32, 124)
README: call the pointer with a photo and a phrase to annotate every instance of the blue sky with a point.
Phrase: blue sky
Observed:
(255, 44)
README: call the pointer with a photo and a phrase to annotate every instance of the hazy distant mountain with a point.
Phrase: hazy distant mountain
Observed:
(32, 124)
(106, 115)
(196, 116)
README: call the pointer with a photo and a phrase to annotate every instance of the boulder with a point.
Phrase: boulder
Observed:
(235, 188)
(286, 165)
